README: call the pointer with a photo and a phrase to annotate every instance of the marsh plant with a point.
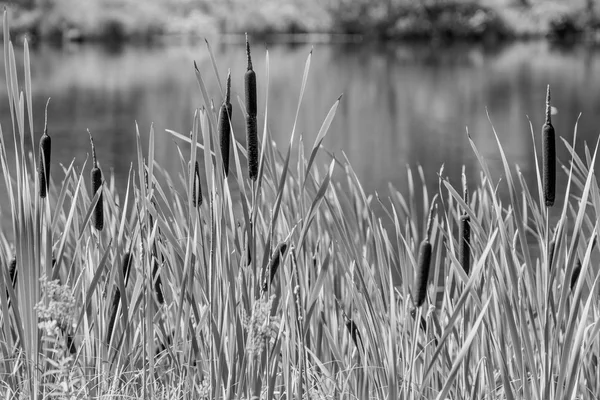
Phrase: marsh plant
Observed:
(284, 283)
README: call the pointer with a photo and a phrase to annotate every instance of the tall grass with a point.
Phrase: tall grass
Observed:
(191, 318)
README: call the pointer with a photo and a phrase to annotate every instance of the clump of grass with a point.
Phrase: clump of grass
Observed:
(44, 158)
(549, 156)
(96, 179)
(225, 126)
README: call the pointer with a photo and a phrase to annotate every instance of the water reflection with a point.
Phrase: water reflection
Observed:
(402, 104)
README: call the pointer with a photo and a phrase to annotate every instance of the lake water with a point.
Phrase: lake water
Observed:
(403, 104)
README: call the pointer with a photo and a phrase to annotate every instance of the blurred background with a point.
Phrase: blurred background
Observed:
(415, 76)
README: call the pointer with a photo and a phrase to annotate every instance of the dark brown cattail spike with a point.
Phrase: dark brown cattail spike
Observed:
(12, 271)
(464, 233)
(576, 272)
(273, 265)
(250, 84)
(44, 159)
(251, 120)
(424, 261)
(549, 156)
(196, 187)
(224, 126)
(464, 243)
(96, 178)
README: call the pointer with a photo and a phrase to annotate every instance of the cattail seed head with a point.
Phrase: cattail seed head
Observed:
(196, 186)
(464, 243)
(44, 158)
(273, 265)
(12, 271)
(224, 127)
(250, 84)
(424, 261)
(420, 287)
(96, 178)
(549, 156)
(252, 144)
(576, 272)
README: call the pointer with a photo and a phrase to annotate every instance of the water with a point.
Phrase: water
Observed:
(402, 104)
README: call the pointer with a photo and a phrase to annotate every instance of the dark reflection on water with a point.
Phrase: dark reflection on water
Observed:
(402, 104)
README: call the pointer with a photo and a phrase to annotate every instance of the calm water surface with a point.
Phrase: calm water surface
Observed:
(402, 104)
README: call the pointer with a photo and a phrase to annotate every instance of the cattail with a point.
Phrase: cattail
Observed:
(224, 127)
(126, 266)
(96, 178)
(250, 83)
(576, 272)
(44, 161)
(251, 121)
(196, 187)
(549, 156)
(424, 261)
(273, 265)
(12, 271)
(464, 234)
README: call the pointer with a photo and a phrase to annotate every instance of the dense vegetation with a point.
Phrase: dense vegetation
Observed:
(283, 283)
(431, 19)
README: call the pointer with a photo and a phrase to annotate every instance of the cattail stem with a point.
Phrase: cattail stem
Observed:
(549, 156)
